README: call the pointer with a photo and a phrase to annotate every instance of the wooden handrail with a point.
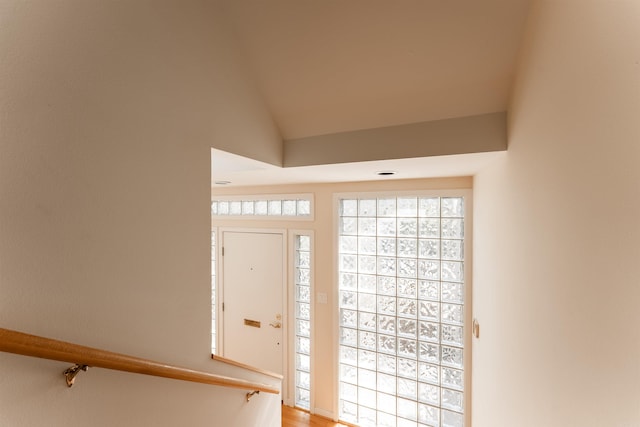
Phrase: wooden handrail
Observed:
(46, 348)
(247, 367)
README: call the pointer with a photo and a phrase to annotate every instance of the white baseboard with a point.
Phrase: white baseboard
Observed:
(324, 413)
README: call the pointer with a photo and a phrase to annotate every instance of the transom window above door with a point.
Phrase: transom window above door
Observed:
(265, 206)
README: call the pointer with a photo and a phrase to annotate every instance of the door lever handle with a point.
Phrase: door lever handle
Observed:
(276, 325)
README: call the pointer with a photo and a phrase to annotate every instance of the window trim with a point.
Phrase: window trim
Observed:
(267, 197)
(290, 400)
(467, 194)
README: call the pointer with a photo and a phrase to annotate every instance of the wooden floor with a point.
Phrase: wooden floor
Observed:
(292, 417)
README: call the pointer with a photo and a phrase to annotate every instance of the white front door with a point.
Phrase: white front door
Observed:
(252, 289)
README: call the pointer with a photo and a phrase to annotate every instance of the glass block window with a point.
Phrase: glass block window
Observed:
(213, 292)
(302, 274)
(401, 311)
(293, 206)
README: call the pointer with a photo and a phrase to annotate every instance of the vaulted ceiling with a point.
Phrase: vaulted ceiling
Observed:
(327, 66)
(334, 66)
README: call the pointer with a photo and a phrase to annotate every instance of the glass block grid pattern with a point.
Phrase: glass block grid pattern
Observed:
(303, 321)
(401, 308)
(213, 292)
(263, 207)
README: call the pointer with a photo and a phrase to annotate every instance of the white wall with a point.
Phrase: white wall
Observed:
(557, 238)
(108, 111)
(324, 257)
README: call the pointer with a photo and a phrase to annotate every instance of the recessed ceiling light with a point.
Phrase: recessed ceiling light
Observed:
(385, 173)
(222, 182)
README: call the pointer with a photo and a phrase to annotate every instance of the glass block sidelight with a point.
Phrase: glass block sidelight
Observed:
(213, 291)
(302, 319)
(401, 306)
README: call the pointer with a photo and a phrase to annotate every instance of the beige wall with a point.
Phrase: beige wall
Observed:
(108, 111)
(472, 134)
(324, 256)
(557, 239)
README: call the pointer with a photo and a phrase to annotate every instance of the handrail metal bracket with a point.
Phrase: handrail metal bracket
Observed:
(32, 345)
(71, 373)
(250, 394)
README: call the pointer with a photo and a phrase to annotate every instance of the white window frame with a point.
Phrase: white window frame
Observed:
(267, 197)
(290, 399)
(467, 194)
